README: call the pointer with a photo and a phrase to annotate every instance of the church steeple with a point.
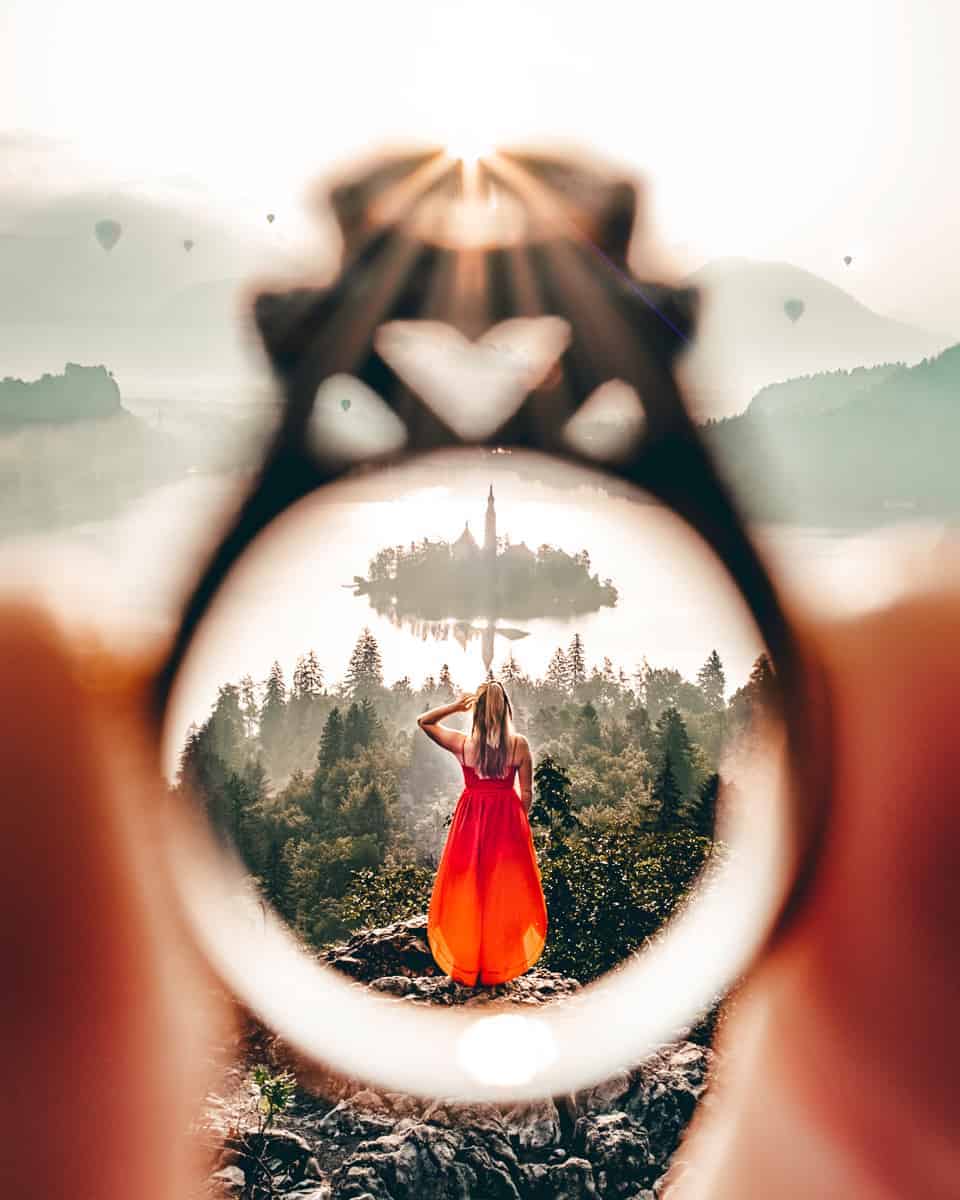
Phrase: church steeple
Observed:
(490, 530)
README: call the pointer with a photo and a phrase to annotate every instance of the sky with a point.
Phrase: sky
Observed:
(799, 132)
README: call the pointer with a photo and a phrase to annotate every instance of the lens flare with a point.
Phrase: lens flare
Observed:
(469, 149)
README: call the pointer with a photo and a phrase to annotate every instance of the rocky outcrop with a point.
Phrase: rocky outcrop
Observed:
(396, 959)
(79, 394)
(615, 1140)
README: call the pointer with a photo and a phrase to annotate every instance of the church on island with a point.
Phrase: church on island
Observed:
(464, 580)
(466, 550)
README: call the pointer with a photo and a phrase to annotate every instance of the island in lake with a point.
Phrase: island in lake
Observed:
(70, 452)
(438, 580)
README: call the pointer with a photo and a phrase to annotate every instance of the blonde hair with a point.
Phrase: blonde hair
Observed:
(492, 728)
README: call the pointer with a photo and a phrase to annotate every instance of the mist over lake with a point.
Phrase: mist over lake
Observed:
(293, 594)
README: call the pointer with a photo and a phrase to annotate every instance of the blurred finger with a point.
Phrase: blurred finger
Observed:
(842, 1067)
(106, 1011)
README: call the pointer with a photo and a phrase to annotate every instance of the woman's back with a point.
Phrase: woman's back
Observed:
(470, 760)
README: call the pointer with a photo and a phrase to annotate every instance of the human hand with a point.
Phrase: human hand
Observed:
(110, 1019)
(466, 702)
(841, 1063)
(841, 1060)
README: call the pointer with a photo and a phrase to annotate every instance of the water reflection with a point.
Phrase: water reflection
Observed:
(464, 633)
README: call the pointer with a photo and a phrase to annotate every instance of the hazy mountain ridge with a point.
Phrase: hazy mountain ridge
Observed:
(745, 341)
(804, 452)
(822, 392)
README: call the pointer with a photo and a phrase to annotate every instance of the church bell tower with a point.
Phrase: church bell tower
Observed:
(490, 530)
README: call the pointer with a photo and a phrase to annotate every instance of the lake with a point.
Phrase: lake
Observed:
(675, 605)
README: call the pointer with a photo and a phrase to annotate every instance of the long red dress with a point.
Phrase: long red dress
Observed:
(488, 920)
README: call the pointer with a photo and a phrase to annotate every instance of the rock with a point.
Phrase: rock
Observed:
(605, 1096)
(367, 1099)
(402, 1105)
(455, 1115)
(397, 960)
(398, 949)
(665, 1093)
(619, 1150)
(533, 1126)
(614, 1141)
(287, 1152)
(228, 1181)
(571, 1180)
(348, 1119)
(416, 1163)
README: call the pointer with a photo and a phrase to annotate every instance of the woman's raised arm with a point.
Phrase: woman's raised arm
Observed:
(429, 722)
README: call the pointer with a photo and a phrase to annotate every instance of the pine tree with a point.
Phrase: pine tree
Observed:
(308, 677)
(365, 670)
(703, 812)
(370, 725)
(712, 681)
(445, 683)
(758, 696)
(553, 796)
(242, 791)
(667, 796)
(352, 730)
(558, 672)
(298, 687)
(248, 706)
(658, 688)
(226, 726)
(366, 812)
(588, 727)
(510, 672)
(331, 740)
(673, 742)
(638, 722)
(273, 712)
(577, 662)
(403, 687)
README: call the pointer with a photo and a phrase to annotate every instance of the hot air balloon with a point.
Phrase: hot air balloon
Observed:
(108, 233)
(188, 244)
(271, 217)
(847, 259)
(794, 309)
(345, 403)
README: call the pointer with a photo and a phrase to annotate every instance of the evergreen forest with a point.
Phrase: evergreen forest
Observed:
(339, 805)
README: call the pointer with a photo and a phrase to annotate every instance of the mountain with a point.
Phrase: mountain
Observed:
(849, 446)
(745, 340)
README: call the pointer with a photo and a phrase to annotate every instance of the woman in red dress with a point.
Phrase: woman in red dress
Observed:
(488, 920)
